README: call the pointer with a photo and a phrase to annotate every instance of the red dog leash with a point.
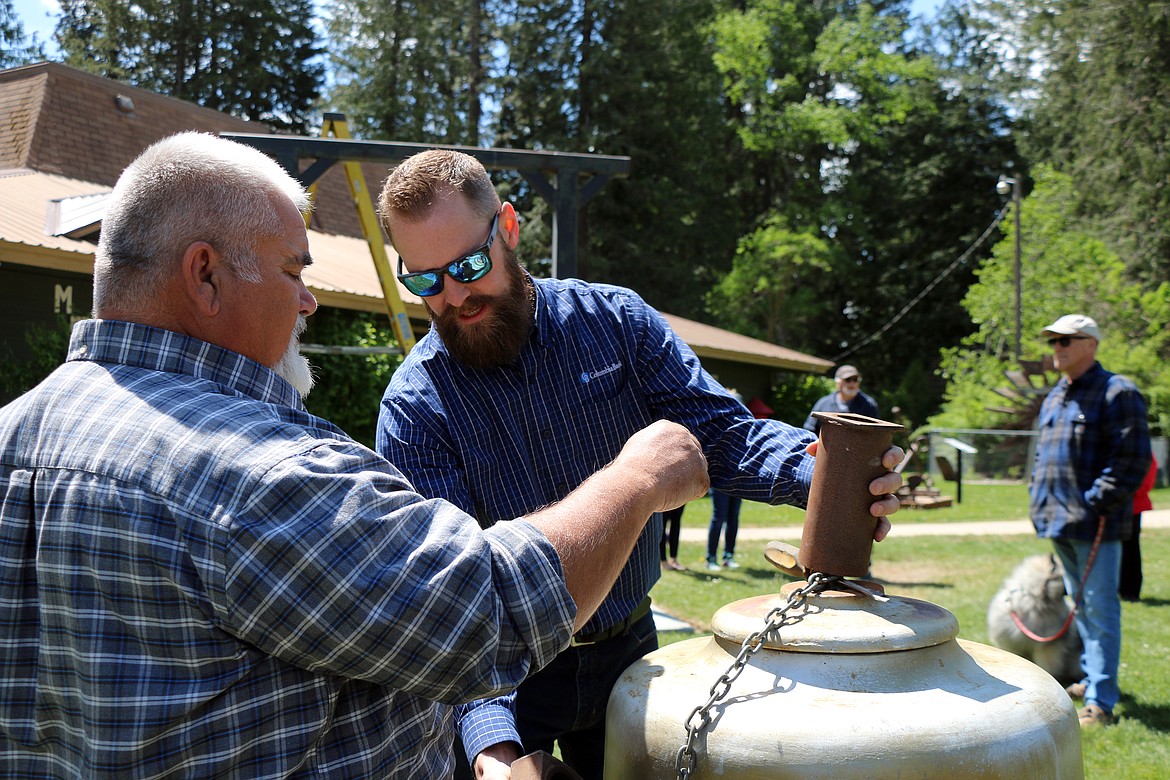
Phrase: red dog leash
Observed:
(1077, 603)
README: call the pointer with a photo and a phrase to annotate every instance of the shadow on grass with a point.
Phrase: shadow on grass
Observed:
(898, 584)
(1154, 602)
(1155, 717)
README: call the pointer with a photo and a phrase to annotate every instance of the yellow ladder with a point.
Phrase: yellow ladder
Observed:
(336, 126)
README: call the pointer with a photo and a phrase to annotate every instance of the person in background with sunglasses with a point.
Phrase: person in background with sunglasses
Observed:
(1092, 454)
(521, 389)
(846, 398)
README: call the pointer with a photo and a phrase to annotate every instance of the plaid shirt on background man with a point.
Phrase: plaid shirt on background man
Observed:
(1093, 451)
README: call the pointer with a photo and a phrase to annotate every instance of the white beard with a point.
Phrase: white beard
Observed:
(293, 367)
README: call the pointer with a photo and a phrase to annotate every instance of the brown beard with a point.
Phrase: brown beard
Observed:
(498, 338)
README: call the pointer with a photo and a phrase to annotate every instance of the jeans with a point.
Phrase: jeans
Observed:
(566, 700)
(724, 511)
(1098, 617)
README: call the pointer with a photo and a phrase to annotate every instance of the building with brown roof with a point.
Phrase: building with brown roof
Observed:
(65, 137)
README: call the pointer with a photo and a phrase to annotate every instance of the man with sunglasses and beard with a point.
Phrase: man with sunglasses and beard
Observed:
(1091, 457)
(202, 579)
(520, 389)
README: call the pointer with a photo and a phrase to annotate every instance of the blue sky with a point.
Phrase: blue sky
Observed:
(32, 14)
(40, 16)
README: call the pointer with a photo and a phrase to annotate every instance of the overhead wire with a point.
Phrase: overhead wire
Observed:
(926, 290)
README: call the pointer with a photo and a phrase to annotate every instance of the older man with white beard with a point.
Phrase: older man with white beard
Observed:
(200, 578)
(846, 398)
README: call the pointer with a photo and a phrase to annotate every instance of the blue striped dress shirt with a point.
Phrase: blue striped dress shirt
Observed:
(200, 579)
(599, 365)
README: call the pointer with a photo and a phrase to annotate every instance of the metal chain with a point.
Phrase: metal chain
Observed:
(685, 761)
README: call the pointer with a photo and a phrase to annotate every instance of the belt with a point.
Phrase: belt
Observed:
(618, 629)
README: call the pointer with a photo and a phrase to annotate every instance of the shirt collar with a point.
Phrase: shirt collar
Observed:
(544, 323)
(1088, 378)
(155, 349)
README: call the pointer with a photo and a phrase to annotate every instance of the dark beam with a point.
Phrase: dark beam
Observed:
(282, 147)
(575, 177)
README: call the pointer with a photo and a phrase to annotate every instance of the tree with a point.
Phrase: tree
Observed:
(16, 48)
(1068, 269)
(410, 71)
(1102, 116)
(256, 59)
(349, 388)
(878, 149)
(651, 92)
(767, 294)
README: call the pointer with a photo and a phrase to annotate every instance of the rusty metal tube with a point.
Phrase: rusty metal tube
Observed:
(838, 529)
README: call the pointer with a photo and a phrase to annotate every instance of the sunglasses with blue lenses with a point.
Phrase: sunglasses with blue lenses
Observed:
(467, 269)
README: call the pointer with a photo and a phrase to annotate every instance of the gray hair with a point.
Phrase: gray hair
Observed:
(420, 181)
(186, 188)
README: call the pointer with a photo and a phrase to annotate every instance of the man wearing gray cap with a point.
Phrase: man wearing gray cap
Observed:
(1093, 452)
(846, 398)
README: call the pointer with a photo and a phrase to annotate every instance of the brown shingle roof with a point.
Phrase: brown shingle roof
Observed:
(62, 135)
(20, 103)
(60, 120)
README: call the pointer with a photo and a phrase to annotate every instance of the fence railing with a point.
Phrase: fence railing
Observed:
(1000, 455)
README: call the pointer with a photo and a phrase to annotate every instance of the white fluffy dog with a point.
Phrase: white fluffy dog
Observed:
(1035, 592)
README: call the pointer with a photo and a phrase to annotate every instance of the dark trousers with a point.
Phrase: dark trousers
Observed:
(565, 702)
(1130, 582)
(724, 512)
(671, 528)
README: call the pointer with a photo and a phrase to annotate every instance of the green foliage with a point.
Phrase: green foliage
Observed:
(652, 93)
(45, 349)
(16, 48)
(794, 395)
(349, 388)
(855, 133)
(256, 59)
(1065, 268)
(767, 293)
(810, 81)
(1102, 117)
(408, 71)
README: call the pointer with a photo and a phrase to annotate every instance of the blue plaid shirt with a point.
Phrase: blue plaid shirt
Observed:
(858, 404)
(599, 366)
(1093, 452)
(199, 579)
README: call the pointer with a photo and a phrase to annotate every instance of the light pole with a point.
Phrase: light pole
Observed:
(1004, 186)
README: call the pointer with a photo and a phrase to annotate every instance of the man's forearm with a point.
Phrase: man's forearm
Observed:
(595, 527)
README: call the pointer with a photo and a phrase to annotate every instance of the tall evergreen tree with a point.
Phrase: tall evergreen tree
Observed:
(16, 47)
(256, 59)
(406, 70)
(650, 91)
(1103, 117)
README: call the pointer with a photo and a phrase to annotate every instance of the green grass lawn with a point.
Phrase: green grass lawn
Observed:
(962, 574)
(980, 502)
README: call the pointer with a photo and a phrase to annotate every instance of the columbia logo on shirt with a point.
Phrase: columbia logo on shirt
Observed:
(589, 376)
